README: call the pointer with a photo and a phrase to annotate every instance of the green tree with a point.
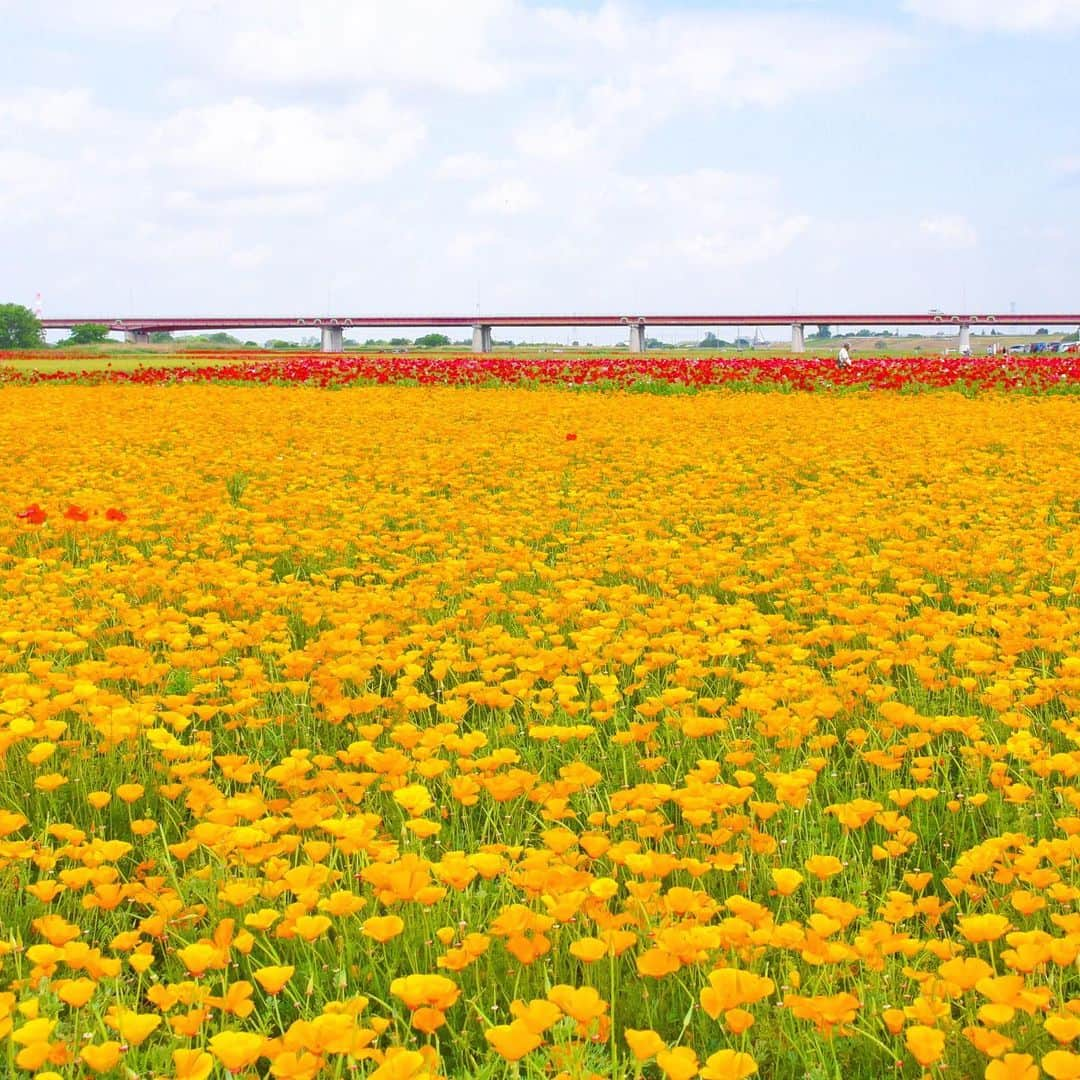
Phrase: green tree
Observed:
(86, 334)
(161, 337)
(431, 341)
(823, 333)
(711, 341)
(19, 328)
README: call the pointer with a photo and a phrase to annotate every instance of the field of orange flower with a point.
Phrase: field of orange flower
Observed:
(412, 732)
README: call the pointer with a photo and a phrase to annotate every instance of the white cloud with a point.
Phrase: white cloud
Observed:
(251, 258)
(949, 231)
(609, 27)
(484, 46)
(344, 42)
(28, 182)
(767, 59)
(620, 224)
(646, 69)
(82, 188)
(468, 166)
(1003, 15)
(456, 46)
(506, 197)
(564, 138)
(244, 145)
(467, 245)
(274, 204)
(48, 111)
(200, 245)
(128, 17)
(1045, 234)
(706, 218)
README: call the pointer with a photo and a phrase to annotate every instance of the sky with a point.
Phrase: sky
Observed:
(236, 157)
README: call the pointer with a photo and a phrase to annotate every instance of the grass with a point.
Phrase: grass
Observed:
(121, 360)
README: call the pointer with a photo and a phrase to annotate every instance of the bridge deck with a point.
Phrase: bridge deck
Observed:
(314, 322)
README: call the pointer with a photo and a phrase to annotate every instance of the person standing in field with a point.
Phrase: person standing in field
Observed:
(843, 357)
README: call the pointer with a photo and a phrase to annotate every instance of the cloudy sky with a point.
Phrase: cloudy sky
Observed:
(384, 156)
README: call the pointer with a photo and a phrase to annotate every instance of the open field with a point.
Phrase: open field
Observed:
(413, 732)
(653, 372)
(120, 356)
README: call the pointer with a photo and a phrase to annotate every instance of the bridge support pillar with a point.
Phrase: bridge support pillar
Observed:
(137, 337)
(798, 337)
(637, 337)
(481, 339)
(965, 337)
(332, 339)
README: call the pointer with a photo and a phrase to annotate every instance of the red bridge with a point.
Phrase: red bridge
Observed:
(333, 326)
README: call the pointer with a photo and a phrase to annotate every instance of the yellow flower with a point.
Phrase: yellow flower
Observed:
(310, 927)
(926, 1044)
(273, 979)
(237, 1050)
(416, 991)
(730, 988)
(1013, 1067)
(200, 957)
(729, 1065)
(979, 928)
(514, 1040)
(786, 881)
(382, 928)
(1061, 1065)
(643, 1044)
(192, 1064)
(101, 1057)
(75, 992)
(678, 1064)
(132, 1027)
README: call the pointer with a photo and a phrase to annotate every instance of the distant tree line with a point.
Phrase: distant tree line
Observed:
(711, 341)
(85, 334)
(20, 328)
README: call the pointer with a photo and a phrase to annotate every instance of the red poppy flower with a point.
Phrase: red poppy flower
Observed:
(33, 514)
(112, 514)
(571, 436)
(75, 513)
